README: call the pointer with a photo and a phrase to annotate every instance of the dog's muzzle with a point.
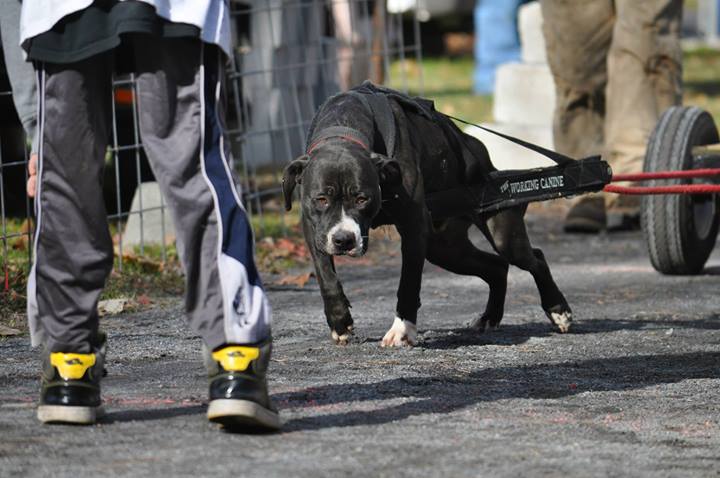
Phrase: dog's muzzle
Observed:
(345, 238)
(344, 241)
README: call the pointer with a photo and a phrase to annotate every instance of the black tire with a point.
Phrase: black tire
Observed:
(679, 230)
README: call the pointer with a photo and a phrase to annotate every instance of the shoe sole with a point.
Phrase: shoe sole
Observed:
(68, 414)
(582, 226)
(242, 414)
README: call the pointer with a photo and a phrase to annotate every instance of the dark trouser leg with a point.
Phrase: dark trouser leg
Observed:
(73, 248)
(181, 123)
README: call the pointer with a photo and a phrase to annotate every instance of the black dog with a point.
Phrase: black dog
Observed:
(372, 156)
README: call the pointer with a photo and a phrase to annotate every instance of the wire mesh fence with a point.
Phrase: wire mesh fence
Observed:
(15, 205)
(288, 57)
(298, 53)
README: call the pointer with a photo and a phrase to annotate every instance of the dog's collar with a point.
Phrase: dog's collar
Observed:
(339, 132)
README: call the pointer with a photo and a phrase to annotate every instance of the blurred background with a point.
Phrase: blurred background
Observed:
(481, 60)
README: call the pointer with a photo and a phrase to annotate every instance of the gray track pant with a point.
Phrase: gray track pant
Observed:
(181, 121)
(617, 66)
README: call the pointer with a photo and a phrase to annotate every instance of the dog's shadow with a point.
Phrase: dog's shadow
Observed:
(445, 394)
(517, 334)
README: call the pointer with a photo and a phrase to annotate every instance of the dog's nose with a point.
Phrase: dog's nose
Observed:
(344, 240)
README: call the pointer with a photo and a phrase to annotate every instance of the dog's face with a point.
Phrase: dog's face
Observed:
(340, 193)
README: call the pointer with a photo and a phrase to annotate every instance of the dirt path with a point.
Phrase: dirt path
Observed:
(634, 390)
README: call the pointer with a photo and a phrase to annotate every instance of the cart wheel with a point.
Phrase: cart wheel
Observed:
(679, 230)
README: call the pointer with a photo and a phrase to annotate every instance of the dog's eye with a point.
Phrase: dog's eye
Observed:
(361, 200)
(321, 201)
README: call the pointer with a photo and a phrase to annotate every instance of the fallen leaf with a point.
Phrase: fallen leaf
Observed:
(285, 247)
(280, 253)
(298, 280)
(111, 306)
(147, 265)
(143, 300)
(21, 243)
(8, 331)
(285, 244)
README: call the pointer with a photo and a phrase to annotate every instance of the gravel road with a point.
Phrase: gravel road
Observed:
(633, 390)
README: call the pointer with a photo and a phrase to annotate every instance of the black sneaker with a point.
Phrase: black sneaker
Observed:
(70, 387)
(238, 388)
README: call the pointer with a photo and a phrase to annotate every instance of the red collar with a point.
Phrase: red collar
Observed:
(339, 132)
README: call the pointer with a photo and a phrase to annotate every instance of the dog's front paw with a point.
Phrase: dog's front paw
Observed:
(402, 333)
(342, 339)
(561, 317)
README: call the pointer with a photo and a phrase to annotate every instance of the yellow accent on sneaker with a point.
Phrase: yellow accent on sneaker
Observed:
(72, 366)
(236, 358)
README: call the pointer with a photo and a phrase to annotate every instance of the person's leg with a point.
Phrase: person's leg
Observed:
(577, 36)
(645, 78)
(72, 249)
(181, 124)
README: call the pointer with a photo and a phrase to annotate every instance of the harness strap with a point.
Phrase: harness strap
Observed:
(375, 99)
(560, 159)
(382, 114)
(384, 118)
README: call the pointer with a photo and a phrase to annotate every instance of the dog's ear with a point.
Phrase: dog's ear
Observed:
(292, 175)
(388, 169)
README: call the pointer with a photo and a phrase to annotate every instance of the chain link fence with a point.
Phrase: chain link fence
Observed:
(289, 56)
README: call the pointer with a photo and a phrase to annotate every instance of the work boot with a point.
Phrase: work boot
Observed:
(70, 387)
(623, 214)
(586, 216)
(621, 220)
(238, 388)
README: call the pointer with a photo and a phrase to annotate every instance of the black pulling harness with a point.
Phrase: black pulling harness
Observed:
(502, 189)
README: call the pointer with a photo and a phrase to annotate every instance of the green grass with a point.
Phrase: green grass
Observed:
(277, 224)
(151, 274)
(148, 272)
(145, 272)
(448, 82)
(701, 78)
(15, 261)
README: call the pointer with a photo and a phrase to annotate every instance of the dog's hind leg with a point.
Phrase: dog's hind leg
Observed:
(451, 249)
(510, 239)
